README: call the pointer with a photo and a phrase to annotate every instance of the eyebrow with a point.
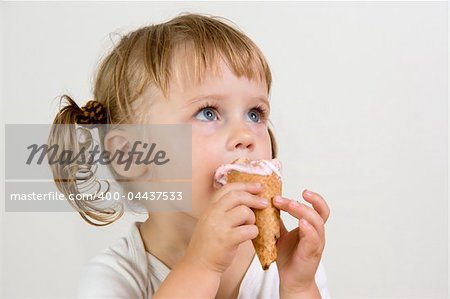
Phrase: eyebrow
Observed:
(221, 97)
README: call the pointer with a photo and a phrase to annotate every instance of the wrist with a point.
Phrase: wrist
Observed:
(201, 267)
(311, 292)
(186, 274)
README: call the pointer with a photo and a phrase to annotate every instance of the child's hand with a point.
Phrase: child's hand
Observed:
(226, 223)
(300, 250)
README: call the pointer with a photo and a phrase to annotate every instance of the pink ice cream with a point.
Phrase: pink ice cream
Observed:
(261, 167)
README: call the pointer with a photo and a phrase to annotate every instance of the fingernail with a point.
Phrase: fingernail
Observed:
(257, 185)
(278, 199)
(308, 193)
(264, 202)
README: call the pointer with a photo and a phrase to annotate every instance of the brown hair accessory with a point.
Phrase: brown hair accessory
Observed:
(93, 113)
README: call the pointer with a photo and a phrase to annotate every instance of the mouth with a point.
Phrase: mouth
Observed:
(240, 159)
(246, 165)
(220, 170)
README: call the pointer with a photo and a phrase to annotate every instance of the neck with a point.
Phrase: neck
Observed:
(177, 229)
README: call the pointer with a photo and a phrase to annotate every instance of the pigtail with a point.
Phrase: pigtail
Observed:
(77, 178)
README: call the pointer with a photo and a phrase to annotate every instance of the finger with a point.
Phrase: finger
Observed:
(236, 198)
(253, 188)
(240, 215)
(244, 233)
(310, 244)
(318, 202)
(299, 211)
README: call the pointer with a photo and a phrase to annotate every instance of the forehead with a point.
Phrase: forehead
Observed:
(186, 69)
(188, 75)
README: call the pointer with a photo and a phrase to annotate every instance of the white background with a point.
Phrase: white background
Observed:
(360, 112)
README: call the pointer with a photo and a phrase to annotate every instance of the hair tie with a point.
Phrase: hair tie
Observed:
(93, 113)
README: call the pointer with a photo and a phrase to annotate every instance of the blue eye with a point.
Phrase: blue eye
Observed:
(208, 113)
(254, 114)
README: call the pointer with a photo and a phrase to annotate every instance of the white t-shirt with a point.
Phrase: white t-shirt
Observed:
(126, 270)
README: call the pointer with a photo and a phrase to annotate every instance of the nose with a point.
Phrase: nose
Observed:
(241, 138)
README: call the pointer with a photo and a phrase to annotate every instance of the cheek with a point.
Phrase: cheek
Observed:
(203, 142)
(201, 145)
(202, 186)
(207, 153)
(203, 159)
(263, 143)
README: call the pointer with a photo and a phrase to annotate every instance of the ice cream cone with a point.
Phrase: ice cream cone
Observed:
(268, 219)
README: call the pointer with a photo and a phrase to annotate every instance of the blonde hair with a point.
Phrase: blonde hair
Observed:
(144, 58)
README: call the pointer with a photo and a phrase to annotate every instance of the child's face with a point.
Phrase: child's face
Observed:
(219, 136)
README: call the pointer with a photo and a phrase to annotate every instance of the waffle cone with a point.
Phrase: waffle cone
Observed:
(268, 219)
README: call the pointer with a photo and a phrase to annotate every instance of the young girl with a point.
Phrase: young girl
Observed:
(201, 71)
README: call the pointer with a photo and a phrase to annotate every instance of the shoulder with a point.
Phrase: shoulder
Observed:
(119, 271)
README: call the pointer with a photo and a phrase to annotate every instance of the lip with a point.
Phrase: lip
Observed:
(260, 167)
(241, 157)
(232, 161)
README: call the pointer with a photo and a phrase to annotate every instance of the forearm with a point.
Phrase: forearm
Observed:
(309, 293)
(189, 280)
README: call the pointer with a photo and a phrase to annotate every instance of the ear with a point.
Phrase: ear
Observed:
(120, 145)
